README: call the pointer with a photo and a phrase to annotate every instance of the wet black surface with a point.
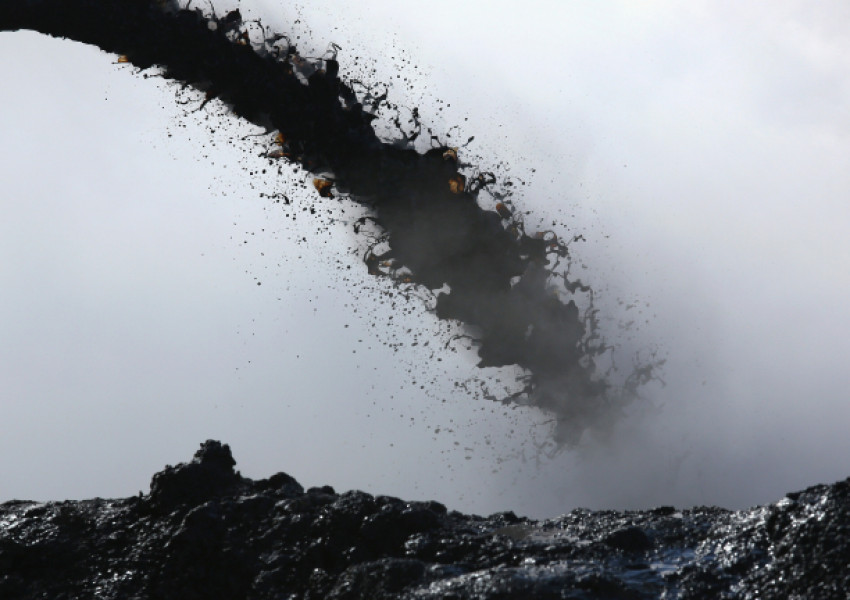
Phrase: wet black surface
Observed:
(204, 531)
(508, 286)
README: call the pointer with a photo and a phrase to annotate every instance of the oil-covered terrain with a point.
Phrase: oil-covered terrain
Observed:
(204, 531)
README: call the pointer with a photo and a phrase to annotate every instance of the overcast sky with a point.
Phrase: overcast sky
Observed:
(701, 149)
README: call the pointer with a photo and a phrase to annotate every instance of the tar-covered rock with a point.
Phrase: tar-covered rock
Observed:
(204, 531)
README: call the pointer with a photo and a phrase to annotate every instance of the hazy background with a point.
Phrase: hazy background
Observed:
(702, 151)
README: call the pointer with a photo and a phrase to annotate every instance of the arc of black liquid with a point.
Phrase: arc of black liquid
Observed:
(497, 275)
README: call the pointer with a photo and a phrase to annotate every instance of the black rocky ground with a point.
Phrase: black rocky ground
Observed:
(204, 531)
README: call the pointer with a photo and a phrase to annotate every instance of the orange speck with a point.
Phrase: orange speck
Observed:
(457, 183)
(323, 186)
(503, 211)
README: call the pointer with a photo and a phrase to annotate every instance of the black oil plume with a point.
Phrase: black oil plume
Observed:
(487, 271)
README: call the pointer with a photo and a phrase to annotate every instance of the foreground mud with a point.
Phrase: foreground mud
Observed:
(204, 531)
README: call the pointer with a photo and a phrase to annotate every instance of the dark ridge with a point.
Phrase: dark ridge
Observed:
(205, 532)
(500, 280)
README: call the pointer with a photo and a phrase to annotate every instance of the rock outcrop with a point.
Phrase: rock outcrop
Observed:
(204, 531)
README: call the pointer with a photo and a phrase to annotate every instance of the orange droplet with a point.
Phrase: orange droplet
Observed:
(323, 186)
(123, 59)
(457, 183)
(503, 211)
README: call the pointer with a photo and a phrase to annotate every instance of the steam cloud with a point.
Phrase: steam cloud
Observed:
(510, 287)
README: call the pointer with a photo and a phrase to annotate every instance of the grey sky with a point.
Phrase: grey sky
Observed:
(702, 150)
